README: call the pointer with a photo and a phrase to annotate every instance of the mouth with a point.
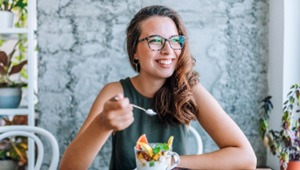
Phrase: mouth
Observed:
(165, 62)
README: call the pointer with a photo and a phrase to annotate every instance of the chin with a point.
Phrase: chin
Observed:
(166, 75)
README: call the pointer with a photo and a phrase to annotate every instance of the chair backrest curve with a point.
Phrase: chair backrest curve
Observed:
(30, 131)
(197, 138)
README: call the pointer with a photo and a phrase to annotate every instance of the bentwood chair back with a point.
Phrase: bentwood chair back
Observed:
(193, 132)
(35, 133)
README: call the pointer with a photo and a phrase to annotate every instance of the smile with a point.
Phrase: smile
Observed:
(165, 62)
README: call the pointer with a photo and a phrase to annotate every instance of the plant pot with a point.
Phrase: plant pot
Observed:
(8, 165)
(10, 97)
(7, 19)
(293, 165)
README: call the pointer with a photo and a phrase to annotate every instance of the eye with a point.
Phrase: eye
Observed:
(155, 40)
(175, 39)
(178, 39)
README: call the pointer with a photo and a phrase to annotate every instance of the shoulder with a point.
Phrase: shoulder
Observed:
(199, 90)
(107, 92)
(113, 86)
(116, 86)
(111, 89)
(203, 97)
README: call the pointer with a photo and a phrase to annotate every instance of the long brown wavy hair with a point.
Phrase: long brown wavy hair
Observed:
(173, 102)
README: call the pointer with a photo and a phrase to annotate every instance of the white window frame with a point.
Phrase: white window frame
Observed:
(284, 58)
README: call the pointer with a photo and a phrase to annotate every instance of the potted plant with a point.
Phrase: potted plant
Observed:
(10, 91)
(13, 151)
(6, 12)
(284, 143)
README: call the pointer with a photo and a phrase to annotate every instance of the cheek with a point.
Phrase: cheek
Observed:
(143, 53)
(140, 51)
(177, 53)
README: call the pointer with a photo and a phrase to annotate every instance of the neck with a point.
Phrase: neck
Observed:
(147, 86)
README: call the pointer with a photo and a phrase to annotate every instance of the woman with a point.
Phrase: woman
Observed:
(159, 51)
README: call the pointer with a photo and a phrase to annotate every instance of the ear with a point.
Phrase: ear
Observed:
(135, 56)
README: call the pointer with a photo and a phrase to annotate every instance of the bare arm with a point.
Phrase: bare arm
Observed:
(235, 150)
(105, 117)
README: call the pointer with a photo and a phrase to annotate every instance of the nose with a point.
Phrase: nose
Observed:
(166, 48)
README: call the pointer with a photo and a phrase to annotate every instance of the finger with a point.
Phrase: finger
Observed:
(120, 104)
(110, 106)
(121, 125)
(124, 103)
(117, 97)
(115, 116)
(122, 118)
(127, 123)
(124, 123)
(127, 113)
(123, 111)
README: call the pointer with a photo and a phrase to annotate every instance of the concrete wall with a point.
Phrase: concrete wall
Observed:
(82, 47)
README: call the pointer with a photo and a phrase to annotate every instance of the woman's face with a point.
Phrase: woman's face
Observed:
(157, 64)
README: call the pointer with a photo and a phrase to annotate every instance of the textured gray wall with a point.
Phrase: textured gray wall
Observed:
(82, 47)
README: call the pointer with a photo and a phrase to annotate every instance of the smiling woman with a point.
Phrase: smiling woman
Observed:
(166, 83)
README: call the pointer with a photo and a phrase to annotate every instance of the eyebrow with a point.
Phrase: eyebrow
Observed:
(162, 36)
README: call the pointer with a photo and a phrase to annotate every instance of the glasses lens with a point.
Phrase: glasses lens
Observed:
(156, 42)
(177, 42)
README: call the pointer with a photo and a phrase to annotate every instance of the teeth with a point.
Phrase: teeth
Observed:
(165, 61)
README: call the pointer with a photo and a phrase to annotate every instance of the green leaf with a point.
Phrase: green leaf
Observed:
(156, 150)
(3, 154)
(160, 147)
(291, 100)
(151, 163)
(165, 147)
(298, 97)
(1, 41)
(24, 74)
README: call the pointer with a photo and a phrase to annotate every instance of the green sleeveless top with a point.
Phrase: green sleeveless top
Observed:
(123, 142)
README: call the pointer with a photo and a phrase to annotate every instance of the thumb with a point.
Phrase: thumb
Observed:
(117, 97)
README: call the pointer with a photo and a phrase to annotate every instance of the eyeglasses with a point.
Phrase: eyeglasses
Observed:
(157, 42)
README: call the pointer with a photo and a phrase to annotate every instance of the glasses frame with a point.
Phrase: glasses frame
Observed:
(164, 43)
